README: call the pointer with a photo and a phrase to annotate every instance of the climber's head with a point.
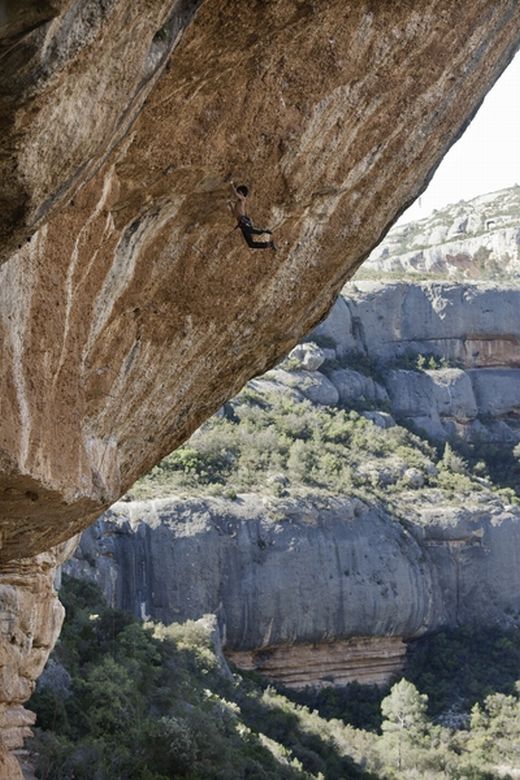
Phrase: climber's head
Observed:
(243, 190)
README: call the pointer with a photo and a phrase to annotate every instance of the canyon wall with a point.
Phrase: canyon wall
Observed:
(319, 589)
(129, 310)
(310, 590)
(468, 336)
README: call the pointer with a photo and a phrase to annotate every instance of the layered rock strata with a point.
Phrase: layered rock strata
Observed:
(467, 334)
(291, 580)
(30, 621)
(367, 660)
(470, 239)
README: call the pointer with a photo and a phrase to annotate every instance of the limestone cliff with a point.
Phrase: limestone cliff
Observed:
(296, 583)
(468, 335)
(134, 310)
(472, 239)
(30, 621)
(129, 311)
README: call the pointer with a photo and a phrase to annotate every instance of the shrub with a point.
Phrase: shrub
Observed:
(316, 448)
(151, 703)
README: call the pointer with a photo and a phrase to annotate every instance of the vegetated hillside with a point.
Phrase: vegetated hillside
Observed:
(132, 702)
(475, 239)
(438, 359)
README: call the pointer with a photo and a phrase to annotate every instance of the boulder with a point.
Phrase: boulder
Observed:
(276, 381)
(453, 393)
(497, 390)
(381, 419)
(413, 478)
(309, 384)
(354, 387)
(412, 396)
(307, 356)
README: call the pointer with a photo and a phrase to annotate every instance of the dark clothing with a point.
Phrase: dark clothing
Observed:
(248, 231)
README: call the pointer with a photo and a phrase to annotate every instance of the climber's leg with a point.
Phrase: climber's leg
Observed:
(248, 231)
(255, 244)
(260, 231)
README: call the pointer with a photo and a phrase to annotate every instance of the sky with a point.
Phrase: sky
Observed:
(486, 158)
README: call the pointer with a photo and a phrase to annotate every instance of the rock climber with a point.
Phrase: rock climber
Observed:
(245, 223)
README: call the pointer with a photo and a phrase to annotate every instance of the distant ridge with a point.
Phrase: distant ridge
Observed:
(474, 239)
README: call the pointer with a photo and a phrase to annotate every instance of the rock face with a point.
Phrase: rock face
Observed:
(368, 660)
(469, 333)
(74, 77)
(129, 311)
(319, 590)
(134, 311)
(293, 580)
(473, 239)
(30, 621)
(473, 324)
(263, 570)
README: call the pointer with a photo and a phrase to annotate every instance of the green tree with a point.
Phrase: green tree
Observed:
(452, 462)
(495, 730)
(421, 362)
(405, 724)
(112, 701)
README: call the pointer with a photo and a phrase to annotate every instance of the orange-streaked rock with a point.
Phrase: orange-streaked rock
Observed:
(30, 621)
(136, 310)
(369, 660)
(74, 77)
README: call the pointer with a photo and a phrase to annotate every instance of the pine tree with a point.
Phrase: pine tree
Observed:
(405, 724)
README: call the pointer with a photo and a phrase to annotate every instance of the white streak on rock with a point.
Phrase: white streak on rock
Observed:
(16, 278)
(70, 291)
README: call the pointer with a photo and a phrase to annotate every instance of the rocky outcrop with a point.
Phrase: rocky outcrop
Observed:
(134, 311)
(366, 660)
(476, 239)
(443, 358)
(291, 580)
(30, 621)
(474, 325)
